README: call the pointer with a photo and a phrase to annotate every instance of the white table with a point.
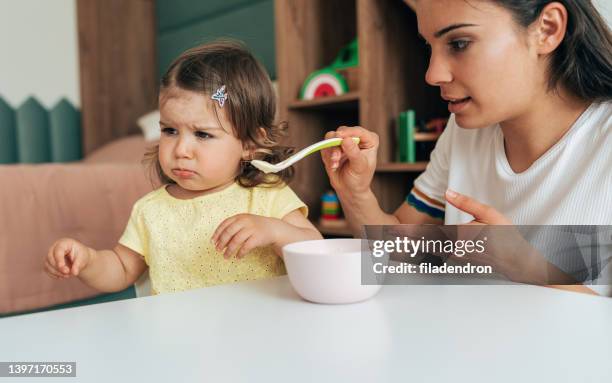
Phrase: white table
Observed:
(263, 332)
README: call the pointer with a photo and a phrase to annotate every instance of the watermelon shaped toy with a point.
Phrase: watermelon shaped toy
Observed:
(328, 81)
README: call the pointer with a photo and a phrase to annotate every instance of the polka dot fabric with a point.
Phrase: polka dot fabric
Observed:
(174, 236)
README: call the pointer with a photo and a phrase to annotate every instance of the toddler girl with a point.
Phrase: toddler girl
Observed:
(216, 219)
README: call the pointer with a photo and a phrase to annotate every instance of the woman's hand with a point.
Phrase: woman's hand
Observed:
(506, 250)
(244, 232)
(351, 167)
(66, 258)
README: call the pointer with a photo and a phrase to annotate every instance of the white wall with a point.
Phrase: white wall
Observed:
(605, 8)
(39, 52)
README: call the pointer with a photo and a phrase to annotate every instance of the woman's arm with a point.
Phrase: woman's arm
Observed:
(364, 209)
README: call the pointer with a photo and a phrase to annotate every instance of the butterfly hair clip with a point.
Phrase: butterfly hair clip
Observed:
(220, 96)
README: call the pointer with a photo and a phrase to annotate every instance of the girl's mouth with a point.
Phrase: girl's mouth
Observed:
(183, 173)
(456, 106)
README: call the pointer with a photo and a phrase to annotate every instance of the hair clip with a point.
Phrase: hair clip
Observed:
(220, 96)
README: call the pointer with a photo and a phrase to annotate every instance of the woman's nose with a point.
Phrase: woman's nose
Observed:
(438, 72)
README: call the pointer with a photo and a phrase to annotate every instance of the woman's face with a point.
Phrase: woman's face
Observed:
(481, 59)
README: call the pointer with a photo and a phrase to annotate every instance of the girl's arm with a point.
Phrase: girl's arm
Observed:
(113, 270)
(243, 232)
(294, 227)
(104, 270)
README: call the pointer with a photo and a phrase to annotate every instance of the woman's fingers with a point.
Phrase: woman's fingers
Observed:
(334, 158)
(330, 134)
(482, 213)
(358, 160)
(331, 155)
(367, 139)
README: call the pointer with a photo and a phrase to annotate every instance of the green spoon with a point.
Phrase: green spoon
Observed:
(267, 167)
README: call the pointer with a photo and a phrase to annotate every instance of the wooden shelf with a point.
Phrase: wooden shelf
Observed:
(419, 137)
(393, 62)
(397, 167)
(341, 230)
(347, 100)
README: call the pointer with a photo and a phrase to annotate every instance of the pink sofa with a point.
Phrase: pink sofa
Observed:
(90, 200)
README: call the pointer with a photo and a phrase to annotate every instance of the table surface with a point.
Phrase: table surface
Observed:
(263, 332)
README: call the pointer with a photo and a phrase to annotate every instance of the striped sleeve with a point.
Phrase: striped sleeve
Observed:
(424, 204)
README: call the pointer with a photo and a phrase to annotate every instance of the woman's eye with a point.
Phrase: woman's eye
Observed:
(202, 135)
(459, 45)
(168, 131)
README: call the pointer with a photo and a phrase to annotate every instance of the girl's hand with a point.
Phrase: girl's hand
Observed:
(351, 167)
(244, 232)
(66, 258)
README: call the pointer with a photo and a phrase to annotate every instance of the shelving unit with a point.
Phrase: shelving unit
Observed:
(422, 137)
(392, 65)
(398, 167)
(348, 100)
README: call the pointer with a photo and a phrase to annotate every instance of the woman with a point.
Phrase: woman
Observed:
(529, 84)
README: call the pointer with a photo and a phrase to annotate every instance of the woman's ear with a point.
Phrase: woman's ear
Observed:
(550, 28)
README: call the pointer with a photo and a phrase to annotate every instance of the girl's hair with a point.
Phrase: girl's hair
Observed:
(582, 63)
(250, 104)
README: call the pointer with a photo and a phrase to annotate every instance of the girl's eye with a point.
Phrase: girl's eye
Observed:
(202, 135)
(459, 45)
(168, 131)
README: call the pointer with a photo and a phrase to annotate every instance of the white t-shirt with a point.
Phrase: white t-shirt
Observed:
(571, 184)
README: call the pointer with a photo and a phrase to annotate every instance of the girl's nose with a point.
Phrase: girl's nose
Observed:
(438, 72)
(183, 148)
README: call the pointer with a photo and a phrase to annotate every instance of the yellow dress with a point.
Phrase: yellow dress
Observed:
(174, 236)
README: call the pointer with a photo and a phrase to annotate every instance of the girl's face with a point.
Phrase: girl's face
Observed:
(197, 150)
(480, 59)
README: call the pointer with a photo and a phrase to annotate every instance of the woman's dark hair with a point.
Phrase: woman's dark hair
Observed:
(582, 63)
(250, 104)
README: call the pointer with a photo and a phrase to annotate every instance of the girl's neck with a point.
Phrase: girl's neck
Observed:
(530, 135)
